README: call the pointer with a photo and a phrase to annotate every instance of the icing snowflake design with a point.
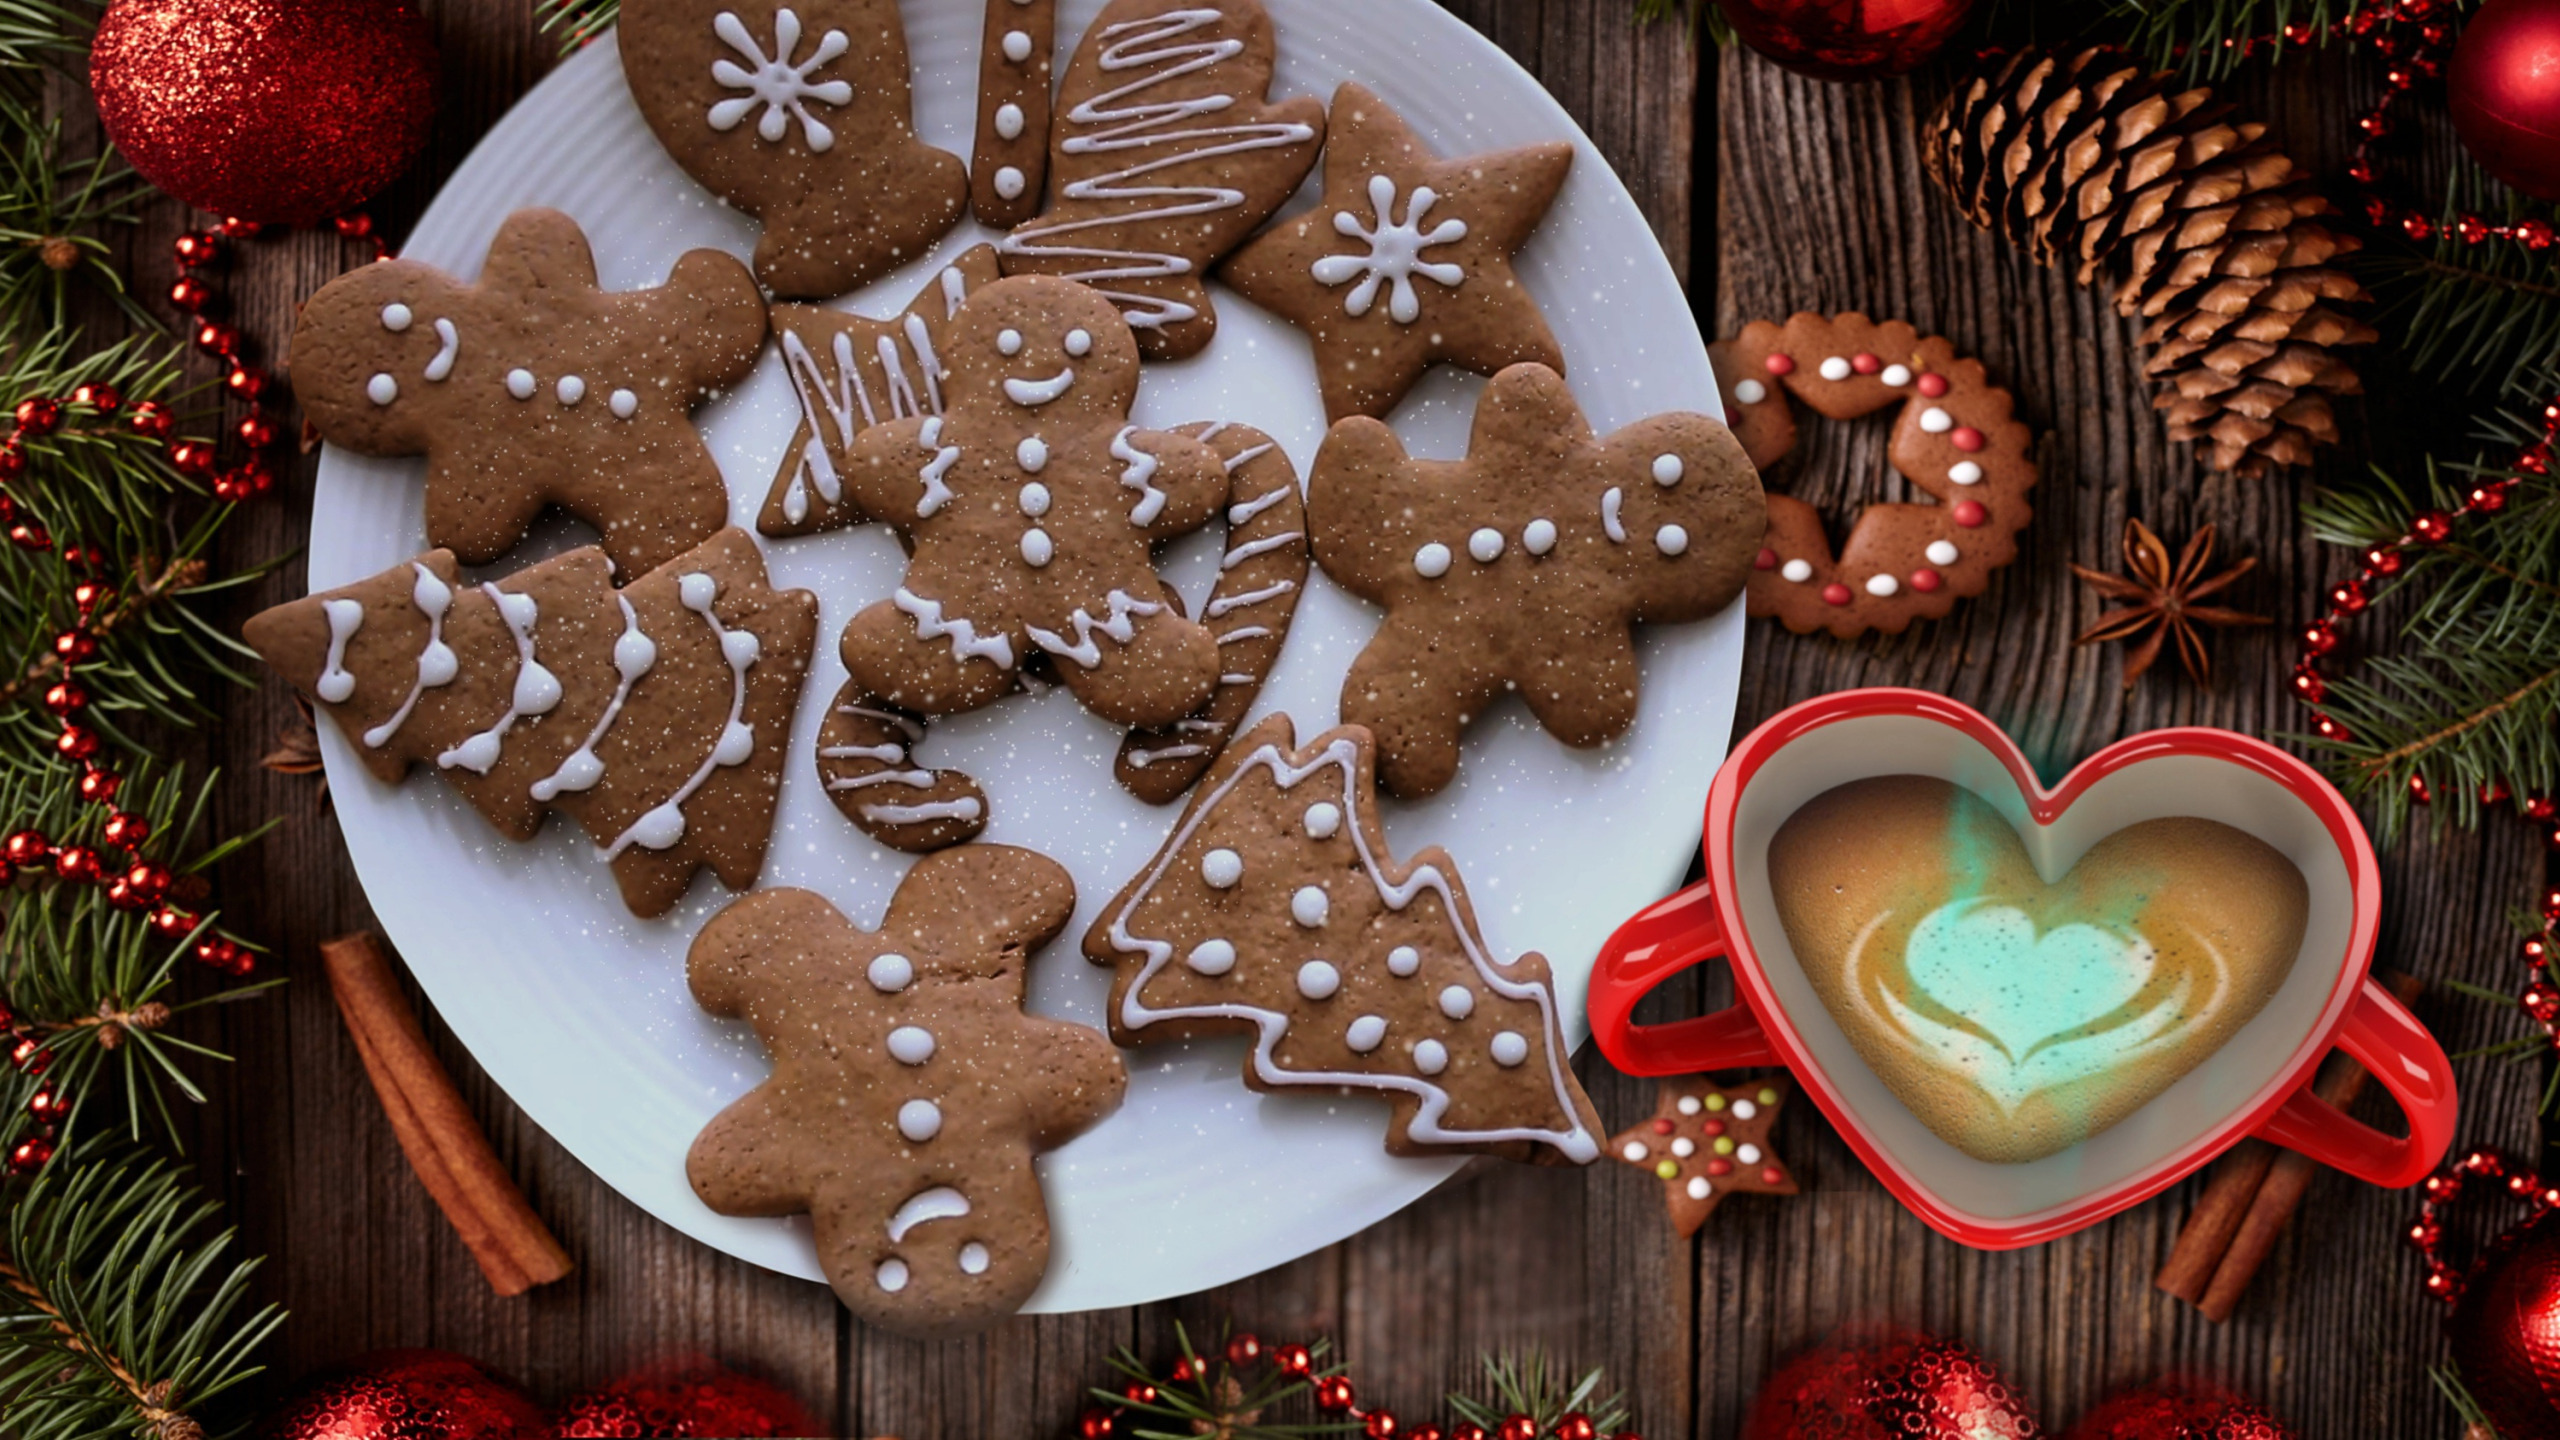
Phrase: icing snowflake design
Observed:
(1395, 252)
(782, 88)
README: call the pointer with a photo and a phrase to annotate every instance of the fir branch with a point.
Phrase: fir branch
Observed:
(40, 32)
(581, 21)
(2206, 38)
(50, 208)
(1533, 1386)
(2475, 1421)
(2471, 315)
(1222, 1401)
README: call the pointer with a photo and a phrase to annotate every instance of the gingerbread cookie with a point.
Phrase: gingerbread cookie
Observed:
(1276, 910)
(653, 715)
(531, 387)
(1955, 441)
(851, 372)
(1164, 156)
(909, 1092)
(1011, 160)
(1406, 260)
(1525, 566)
(800, 115)
(1707, 1142)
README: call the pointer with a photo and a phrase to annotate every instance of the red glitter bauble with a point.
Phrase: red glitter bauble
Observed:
(2506, 1332)
(2178, 1410)
(1889, 1385)
(683, 1400)
(407, 1395)
(2504, 91)
(1847, 39)
(270, 110)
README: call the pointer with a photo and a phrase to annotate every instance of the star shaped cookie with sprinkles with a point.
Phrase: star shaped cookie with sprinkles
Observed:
(1406, 261)
(1707, 1141)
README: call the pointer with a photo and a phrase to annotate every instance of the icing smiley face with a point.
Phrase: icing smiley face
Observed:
(1060, 354)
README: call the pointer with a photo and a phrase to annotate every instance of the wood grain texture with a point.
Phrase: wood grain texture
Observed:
(1816, 202)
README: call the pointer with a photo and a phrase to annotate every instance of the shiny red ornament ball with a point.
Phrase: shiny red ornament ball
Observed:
(2506, 1331)
(1516, 1427)
(1835, 40)
(2178, 1410)
(406, 1395)
(2504, 91)
(270, 110)
(685, 1400)
(1889, 1385)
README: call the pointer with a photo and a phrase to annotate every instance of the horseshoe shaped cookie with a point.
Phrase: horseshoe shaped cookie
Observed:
(1956, 441)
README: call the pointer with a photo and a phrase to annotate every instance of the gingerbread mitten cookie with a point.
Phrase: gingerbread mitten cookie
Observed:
(1525, 566)
(1164, 156)
(850, 372)
(1276, 910)
(1406, 260)
(531, 387)
(909, 1092)
(653, 715)
(802, 116)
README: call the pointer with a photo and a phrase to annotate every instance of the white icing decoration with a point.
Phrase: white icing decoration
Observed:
(783, 88)
(1032, 454)
(1896, 376)
(335, 684)
(1431, 1057)
(1366, 1033)
(1395, 253)
(382, 389)
(1485, 545)
(965, 808)
(1667, 469)
(891, 973)
(1323, 820)
(1635, 1152)
(1138, 473)
(1238, 514)
(1748, 1154)
(1243, 633)
(1431, 561)
(1009, 121)
(1538, 537)
(1248, 550)
(1684, 1147)
(396, 317)
(1835, 368)
(1510, 1048)
(1965, 472)
(1882, 586)
(1011, 182)
(911, 1045)
(892, 1275)
(1309, 907)
(1699, 1189)
(663, 826)
(1457, 1002)
(1034, 393)
(1750, 392)
(1936, 421)
(1222, 868)
(1211, 957)
(520, 384)
(624, 404)
(919, 1120)
(535, 692)
(912, 779)
(1404, 961)
(1745, 1110)
(1318, 980)
(1038, 549)
(1689, 1105)
(1162, 135)
(437, 664)
(1671, 540)
(939, 1203)
(1079, 342)
(1609, 522)
(937, 490)
(1008, 341)
(1118, 623)
(1798, 571)
(1942, 552)
(634, 653)
(974, 1259)
(1017, 46)
(1226, 604)
(849, 397)
(571, 389)
(965, 643)
(448, 347)
(1034, 499)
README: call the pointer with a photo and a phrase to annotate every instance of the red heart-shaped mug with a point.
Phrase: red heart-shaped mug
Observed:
(2258, 1083)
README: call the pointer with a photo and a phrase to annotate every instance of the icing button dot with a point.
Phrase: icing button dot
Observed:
(1942, 552)
(571, 389)
(1485, 545)
(911, 1044)
(1510, 1048)
(1967, 439)
(1779, 364)
(1222, 868)
(974, 1259)
(396, 317)
(1671, 540)
(1211, 957)
(1322, 820)
(1836, 593)
(623, 403)
(1366, 1033)
(1965, 472)
(1865, 364)
(1017, 46)
(1008, 341)
(1926, 580)
(1037, 548)
(919, 1120)
(1457, 1002)
(1896, 376)
(1011, 182)
(1034, 499)
(1431, 561)
(1883, 586)
(1430, 1057)
(382, 389)
(1079, 343)
(1318, 980)
(1009, 121)
(1032, 454)
(1750, 392)
(1309, 906)
(891, 973)
(1667, 469)
(892, 1275)
(1835, 368)
(1936, 421)
(1970, 514)
(520, 384)
(1538, 537)
(1403, 961)
(1798, 571)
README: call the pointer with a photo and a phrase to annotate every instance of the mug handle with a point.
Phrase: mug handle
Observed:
(1659, 942)
(2389, 1042)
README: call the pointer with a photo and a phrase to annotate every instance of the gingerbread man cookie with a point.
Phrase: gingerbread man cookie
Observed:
(1956, 441)
(531, 387)
(1525, 566)
(1011, 159)
(910, 1093)
(1406, 260)
(851, 372)
(801, 115)
(1276, 910)
(1163, 157)
(653, 715)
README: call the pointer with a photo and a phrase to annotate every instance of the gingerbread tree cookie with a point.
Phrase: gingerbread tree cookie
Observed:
(909, 1092)
(1525, 566)
(851, 372)
(1164, 155)
(532, 387)
(802, 116)
(1276, 910)
(1706, 1142)
(653, 715)
(1956, 440)
(1406, 260)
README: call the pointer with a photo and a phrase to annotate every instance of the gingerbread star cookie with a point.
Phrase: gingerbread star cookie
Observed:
(909, 1091)
(1706, 1142)
(1406, 260)
(532, 387)
(1525, 566)
(850, 372)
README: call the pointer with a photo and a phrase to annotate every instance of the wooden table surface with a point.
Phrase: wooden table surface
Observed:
(1771, 194)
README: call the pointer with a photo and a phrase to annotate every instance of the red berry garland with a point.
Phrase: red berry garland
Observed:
(1334, 1395)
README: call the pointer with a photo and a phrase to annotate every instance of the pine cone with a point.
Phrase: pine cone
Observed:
(2217, 237)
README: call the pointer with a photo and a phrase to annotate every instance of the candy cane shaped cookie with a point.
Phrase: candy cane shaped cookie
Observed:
(1955, 440)
(1260, 578)
(867, 761)
(1012, 155)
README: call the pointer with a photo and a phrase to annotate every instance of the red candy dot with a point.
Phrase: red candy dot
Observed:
(1661, 1127)
(1835, 593)
(1965, 438)
(1926, 580)
(1767, 559)
(1864, 363)
(1933, 384)
(1719, 1167)
(1780, 364)
(1970, 514)
(1773, 1176)
(1711, 1128)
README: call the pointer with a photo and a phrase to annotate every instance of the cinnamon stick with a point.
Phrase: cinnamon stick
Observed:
(2207, 1235)
(445, 1144)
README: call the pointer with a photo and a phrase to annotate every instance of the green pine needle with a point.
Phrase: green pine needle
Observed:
(1532, 1385)
(578, 21)
(1228, 1402)
(2449, 1384)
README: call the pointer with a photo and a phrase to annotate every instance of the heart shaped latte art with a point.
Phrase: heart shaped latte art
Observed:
(2017, 1018)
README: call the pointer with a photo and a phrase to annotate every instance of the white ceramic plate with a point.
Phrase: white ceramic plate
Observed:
(580, 1011)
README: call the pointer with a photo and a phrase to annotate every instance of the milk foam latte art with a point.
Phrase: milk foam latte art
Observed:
(2017, 1018)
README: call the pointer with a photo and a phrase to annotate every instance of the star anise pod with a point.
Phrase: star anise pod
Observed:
(297, 750)
(2161, 598)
